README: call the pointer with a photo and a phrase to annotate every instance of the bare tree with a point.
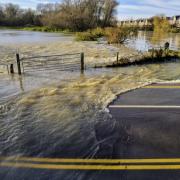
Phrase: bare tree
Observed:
(11, 10)
(13, 15)
(76, 15)
(108, 12)
(80, 14)
(1, 14)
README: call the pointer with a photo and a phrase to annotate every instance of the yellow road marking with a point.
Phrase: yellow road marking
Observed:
(91, 167)
(102, 161)
(145, 106)
(161, 87)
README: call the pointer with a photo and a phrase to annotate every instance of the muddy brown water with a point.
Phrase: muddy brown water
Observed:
(63, 114)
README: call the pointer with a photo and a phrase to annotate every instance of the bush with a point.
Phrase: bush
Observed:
(85, 36)
(98, 32)
(116, 35)
(175, 30)
(161, 24)
(90, 35)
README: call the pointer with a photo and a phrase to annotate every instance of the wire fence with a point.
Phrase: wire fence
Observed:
(7, 57)
(12, 61)
(62, 62)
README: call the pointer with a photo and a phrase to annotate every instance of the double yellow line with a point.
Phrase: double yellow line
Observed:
(90, 164)
(162, 87)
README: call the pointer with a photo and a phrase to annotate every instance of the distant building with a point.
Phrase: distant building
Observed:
(174, 21)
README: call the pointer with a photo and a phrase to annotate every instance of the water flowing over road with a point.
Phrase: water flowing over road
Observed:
(64, 114)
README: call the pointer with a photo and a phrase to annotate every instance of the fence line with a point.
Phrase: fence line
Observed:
(57, 55)
(57, 62)
(61, 62)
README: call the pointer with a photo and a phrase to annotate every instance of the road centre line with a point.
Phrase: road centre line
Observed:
(91, 167)
(102, 161)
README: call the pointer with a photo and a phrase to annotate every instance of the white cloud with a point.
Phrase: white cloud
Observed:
(148, 8)
(28, 3)
(127, 8)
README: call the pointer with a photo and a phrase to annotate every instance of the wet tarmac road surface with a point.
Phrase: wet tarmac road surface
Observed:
(149, 148)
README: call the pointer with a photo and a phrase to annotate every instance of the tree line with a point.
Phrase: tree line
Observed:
(75, 15)
(13, 15)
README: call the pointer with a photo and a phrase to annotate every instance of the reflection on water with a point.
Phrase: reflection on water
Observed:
(146, 40)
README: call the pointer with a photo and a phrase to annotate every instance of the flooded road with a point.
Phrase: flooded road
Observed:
(63, 114)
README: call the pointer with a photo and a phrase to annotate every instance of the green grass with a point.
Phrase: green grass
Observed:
(38, 29)
(90, 35)
(46, 29)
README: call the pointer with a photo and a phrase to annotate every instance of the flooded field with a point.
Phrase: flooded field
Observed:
(63, 114)
(15, 37)
(146, 40)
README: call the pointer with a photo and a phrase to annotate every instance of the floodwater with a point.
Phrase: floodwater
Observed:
(146, 40)
(16, 37)
(63, 114)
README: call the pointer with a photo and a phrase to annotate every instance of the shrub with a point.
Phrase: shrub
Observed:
(175, 30)
(98, 32)
(116, 35)
(85, 36)
(161, 24)
(90, 35)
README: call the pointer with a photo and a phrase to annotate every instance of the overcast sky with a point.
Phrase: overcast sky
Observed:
(127, 9)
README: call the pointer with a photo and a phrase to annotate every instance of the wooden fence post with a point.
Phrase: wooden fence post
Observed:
(82, 62)
(18, 64)
(117, 57)
(12, 68)
(7, 66)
